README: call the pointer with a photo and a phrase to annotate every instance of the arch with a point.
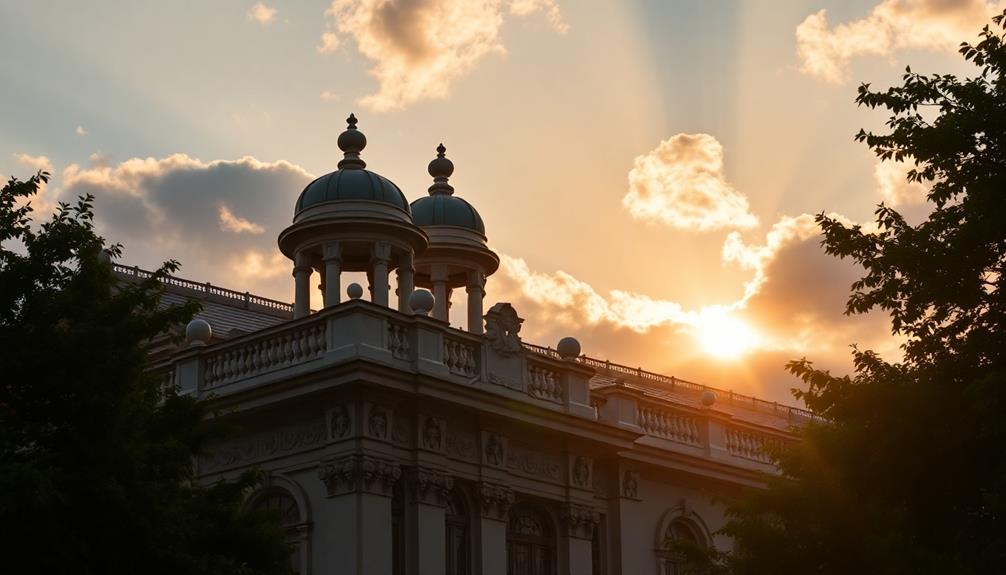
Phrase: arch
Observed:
(679, 523)
(283, 495)
(458, 525)
(531, 541)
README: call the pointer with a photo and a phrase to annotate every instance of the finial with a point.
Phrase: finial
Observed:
(441, 169)
(352, 142)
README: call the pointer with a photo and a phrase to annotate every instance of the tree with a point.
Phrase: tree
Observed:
(909, 473)
(96, 453)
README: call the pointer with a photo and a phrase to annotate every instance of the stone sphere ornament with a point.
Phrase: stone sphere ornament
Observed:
(708, 397)
(198, 332)
(568, 348)
(421, 301)
(354, 291)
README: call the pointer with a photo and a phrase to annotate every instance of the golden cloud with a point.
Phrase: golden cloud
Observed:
(681, 184)
(826, 51)
(421, 47)
(893, 184)
(261, 13)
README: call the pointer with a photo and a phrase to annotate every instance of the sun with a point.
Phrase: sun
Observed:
(724, 336)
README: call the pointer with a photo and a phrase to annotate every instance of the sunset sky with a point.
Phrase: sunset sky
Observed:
(647, 171)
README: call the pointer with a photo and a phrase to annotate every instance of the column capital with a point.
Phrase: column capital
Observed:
(380, 252)
(332, 251)
(430, 486)
(358, 473)
(495, 500)
(578, 521)
(438, 273)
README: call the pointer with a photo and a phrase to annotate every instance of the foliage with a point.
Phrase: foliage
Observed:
(95, 452)
(909, 475)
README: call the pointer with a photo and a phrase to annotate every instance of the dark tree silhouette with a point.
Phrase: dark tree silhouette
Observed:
(909, 475)
(95, 453)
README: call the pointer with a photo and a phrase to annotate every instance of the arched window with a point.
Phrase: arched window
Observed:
(458, 523)
(530, 542)
(678, 530)
(282, 505)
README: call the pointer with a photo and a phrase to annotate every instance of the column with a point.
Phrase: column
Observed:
(302, 286)
(332, 256)
(438, 275)
(578, 522)
(357, 532)
(380, 258)
(430, 490)
(406, 282)
(476, 293)
(495, 501)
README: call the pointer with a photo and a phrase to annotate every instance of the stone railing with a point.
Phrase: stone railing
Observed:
(398, 340)
(668, 424)
(543, 382)
(460, 356)
(250, 357)
(750, 444)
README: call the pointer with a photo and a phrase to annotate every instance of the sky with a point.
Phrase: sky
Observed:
(648, 171)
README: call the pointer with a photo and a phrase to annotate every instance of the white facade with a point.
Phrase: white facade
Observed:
(397, 444)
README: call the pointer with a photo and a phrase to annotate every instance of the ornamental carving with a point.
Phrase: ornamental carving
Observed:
(580, 472)
(430, 486)
(356, 473)
(378, 422)
(495, 500)
(433, 433)
(462, 445)
(579, 520)
(495, 451)
(630, 484)
(339, 424)
(401, 431)
(265, 445)
(502, 329)
(535, 463)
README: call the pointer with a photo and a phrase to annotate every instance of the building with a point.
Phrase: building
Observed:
(396, 444)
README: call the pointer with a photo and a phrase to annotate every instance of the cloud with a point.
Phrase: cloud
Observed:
(681, 184)
(419, 48)
(42, 203)
(36, 163)
(893, 184)
(231, 223)
(826, 51)
(80, 131)
(261, 13)
(327, 96)
(220, 219)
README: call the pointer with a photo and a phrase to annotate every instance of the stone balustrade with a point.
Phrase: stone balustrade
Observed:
(669, 424)
(251, 358)
(749, 444)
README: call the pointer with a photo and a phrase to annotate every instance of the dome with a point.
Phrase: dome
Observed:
(352, 184)
(351, 181)
(442, 207)
(444, 210)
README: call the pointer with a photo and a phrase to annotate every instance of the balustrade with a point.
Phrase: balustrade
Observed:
(543, 383)
(398, 340)
(460, 357)
(251, 358)
(751, 444)
(667, 424)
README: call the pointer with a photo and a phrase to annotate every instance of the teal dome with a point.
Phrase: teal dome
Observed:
(446, 210)
(351, 183)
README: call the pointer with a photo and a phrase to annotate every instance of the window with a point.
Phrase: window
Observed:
(530, 542)
(458, 523)
(678, 531)
(284, 507)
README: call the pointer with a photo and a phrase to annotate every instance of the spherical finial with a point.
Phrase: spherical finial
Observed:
(441, 168)
(354, 291)
(421, 302)
(708, 397)
(105, 257)
(352, 142)
(568, 348)
(198, 332)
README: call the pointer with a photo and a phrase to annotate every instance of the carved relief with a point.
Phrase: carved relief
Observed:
(354, 473)
(378, 422)
(339, 424)
(462, 445)
(401, 431)
(579, 520)
(502, 329)
(494, 450)
(265, 445)
(630, 484)
(430, 486)
(535, 463)
(495, 500)
(580, 472)
(433, 433)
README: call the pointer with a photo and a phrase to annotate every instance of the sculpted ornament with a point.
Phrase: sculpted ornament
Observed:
(502, 329)
(495, 500)
(355, 473)
(338, 422)
(377, 424)
(630, 484)
(431, 486)
(579, 520)
(433, 434)
(581, 472)
(494, 450)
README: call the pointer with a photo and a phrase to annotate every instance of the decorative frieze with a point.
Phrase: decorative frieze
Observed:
(432, 433)
(536, 464)
(494, 449)
(265, 445)
(340, 422)
(579, 520)
(630, 484)
(462, 445)
(378, 422)
(581, 471)
(359, 473)
(495, 500)
(430, 486)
